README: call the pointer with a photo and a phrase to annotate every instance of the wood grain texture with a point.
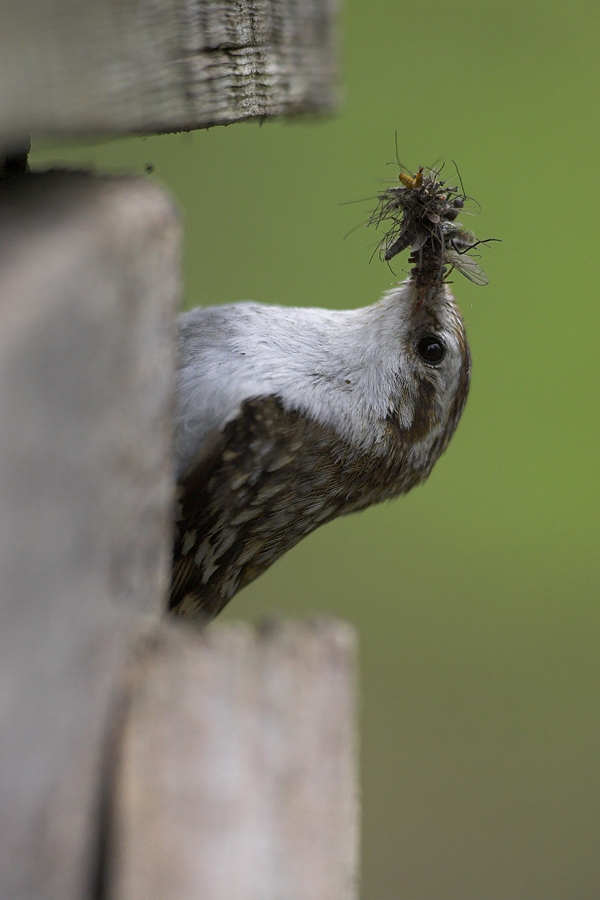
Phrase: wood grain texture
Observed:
(237, 773)
(71, 67)
(89, 279)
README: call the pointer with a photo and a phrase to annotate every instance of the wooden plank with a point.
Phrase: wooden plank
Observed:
(70, 67)
(89, 277)
(237, 772)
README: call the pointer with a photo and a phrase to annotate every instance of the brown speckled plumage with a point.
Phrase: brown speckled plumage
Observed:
(270, 480)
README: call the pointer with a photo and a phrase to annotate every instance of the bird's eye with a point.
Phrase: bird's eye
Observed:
(431, 349)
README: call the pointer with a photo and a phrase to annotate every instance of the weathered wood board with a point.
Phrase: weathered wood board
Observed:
(236, 767)
(89, 282)
(83, 67)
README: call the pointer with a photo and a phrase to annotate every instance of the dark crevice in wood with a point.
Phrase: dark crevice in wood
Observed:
(101, 846)
(103, 842)
(16, 162)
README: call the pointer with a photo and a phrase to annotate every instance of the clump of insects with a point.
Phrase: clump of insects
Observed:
(421, 213)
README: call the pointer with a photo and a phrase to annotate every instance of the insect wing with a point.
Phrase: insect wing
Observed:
(466, 266)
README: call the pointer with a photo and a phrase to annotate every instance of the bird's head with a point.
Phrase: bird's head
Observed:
(433, 374)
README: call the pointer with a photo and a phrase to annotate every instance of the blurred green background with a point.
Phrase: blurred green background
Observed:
(475, 596)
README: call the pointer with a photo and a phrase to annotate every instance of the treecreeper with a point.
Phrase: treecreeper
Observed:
(290, 417)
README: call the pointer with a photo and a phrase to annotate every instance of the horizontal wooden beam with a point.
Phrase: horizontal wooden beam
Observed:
(81, 67)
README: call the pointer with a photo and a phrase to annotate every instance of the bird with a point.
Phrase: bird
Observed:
(290, 417)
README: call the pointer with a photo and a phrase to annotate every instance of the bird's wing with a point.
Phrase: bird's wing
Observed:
(255, 489)
(269, 477)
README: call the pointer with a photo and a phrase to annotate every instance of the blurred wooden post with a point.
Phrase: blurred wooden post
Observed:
(215, 766)
(235, 773)
(89, 280)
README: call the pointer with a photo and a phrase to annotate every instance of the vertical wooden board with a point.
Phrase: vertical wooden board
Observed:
(237, 775)
(89, 277)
